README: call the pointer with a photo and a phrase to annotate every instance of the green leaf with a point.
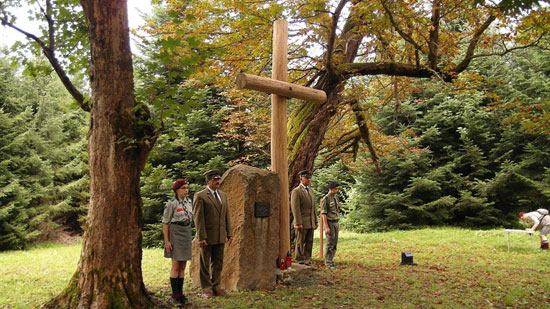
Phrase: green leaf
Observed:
(193, 41)
(170, 43)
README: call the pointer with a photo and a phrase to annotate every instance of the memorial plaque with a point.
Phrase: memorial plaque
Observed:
(261, 209)
(407, 258)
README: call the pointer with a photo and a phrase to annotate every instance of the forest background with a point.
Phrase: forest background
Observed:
(469, 151)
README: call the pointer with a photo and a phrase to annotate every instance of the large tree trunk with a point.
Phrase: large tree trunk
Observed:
(308, 125)
(109, 272)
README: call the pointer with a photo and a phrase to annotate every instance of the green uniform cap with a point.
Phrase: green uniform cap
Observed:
(211, 174)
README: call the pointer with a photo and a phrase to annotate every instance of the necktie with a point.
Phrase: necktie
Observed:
(217, 196)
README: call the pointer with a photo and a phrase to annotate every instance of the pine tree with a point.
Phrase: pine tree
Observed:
(474, 159)
(41, 160)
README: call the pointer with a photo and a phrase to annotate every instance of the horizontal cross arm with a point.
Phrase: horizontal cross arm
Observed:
(284, 89)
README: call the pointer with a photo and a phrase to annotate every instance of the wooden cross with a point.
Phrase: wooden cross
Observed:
(280, 90)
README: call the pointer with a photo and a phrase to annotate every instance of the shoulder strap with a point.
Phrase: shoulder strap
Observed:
(324, 201)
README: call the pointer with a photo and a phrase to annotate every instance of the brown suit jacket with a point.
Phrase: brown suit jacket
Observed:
(303, 207)
(211, 217)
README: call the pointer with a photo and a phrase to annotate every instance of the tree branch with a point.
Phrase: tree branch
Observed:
(50, 55)
(390, 68)
(407, 37)
(364, 131)
(315, 77)
(46, 13)
(434, 36)
(508, 50)
(331, 156)
(473, 44)
(342, 142)
(332, 34)
(344, 138)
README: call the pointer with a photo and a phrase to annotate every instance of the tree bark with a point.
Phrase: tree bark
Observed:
(309, 123)
(433, 45)
(365, 134)
(109, 272)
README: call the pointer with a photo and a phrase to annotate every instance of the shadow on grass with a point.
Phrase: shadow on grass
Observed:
(304, 279)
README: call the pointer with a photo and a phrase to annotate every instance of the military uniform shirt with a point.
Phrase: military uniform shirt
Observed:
(535, 218)
(329, 206)
(177, 210)
(302, 204)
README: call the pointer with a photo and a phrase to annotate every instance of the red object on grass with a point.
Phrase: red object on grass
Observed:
(288, 260)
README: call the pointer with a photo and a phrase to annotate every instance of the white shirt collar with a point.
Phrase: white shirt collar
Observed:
(211, 191)
(216, 196)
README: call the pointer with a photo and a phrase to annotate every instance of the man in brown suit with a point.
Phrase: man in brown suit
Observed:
(302, 202)
(211, 216)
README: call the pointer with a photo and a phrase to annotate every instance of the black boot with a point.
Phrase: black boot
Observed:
(183, 299)
(176, 294)
(544, 245)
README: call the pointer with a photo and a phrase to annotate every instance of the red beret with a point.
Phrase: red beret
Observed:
(179, 183)
(521, 214)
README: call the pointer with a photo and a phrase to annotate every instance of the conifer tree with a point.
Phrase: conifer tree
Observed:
(475, 157)
(41, 160)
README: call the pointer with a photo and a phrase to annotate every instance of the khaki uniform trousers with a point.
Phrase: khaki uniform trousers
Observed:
(545, 225)
(211, 267)
(304, 245)
(332, 241)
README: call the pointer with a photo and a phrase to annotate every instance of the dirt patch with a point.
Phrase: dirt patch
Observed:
(303, 279)
(61, 236)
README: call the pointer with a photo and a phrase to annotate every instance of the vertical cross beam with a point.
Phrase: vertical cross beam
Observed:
(280, 91)
(279, 157)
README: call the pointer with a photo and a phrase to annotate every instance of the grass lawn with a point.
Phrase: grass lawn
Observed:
(456, 268)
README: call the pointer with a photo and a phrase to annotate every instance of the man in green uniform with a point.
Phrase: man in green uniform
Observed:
(211, 216)
(329, 215)
(302, 203)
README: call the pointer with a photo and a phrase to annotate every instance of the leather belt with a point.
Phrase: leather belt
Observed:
(181, 223)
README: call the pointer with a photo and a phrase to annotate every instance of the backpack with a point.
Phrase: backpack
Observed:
(543, 212)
